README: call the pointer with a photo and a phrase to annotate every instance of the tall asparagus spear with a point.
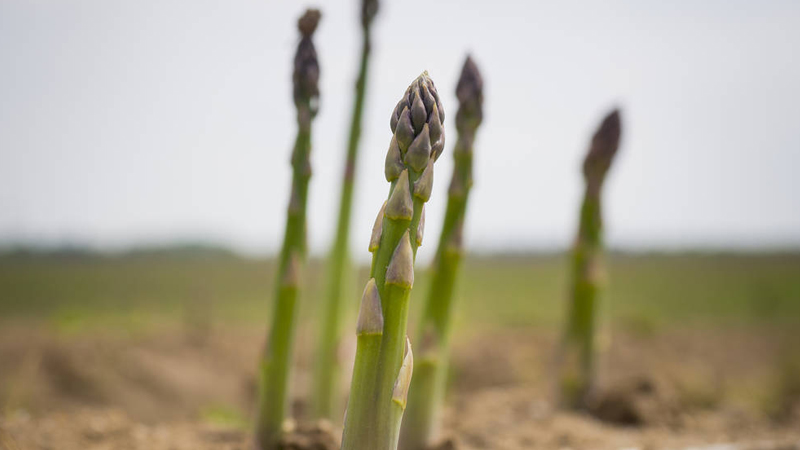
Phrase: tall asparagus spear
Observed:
(276, 360)
(383, 365)
(577, 367)
(427, 388)
(326, 374)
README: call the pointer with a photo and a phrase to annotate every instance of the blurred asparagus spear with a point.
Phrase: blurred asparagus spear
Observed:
(427, 388)
(577, 367)
(326, 376)
(383, 365)
(277, 358)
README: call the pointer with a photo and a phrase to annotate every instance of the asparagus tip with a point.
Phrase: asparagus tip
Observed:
(369, 9)
(403, 381)
(419, 106)
(401, 267)
(469, 91)
(470, 83)
(308, 22)
(370, 315)
(605, 143)
(306, 65)
(611, 126)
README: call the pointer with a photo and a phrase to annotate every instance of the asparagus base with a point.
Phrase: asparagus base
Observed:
(274, 374)
(576, 371)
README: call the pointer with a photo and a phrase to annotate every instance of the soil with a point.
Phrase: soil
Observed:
(173, 389)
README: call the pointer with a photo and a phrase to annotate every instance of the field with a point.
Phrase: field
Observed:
(158, 349)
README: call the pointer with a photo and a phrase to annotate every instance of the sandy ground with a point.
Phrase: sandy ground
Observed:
(177, 389)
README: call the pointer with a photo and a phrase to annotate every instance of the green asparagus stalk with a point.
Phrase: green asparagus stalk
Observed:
(577, 368)
(326, 376)
(427, 389)
(383, 365)
(276, 359)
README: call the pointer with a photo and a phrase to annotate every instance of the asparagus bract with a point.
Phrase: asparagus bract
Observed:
(380, 377)
(326, 374)
(427, 388)
(276, 359)
(577, 367)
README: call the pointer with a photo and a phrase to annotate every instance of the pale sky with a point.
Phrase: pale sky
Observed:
(128, 122)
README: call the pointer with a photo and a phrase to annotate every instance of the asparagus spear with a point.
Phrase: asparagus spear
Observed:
(276, 359)
(577, 368)
(382, 370)
(427, 389)
(327, 364)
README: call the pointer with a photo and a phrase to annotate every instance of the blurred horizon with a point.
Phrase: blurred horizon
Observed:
(156, 123)
(211, 249)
